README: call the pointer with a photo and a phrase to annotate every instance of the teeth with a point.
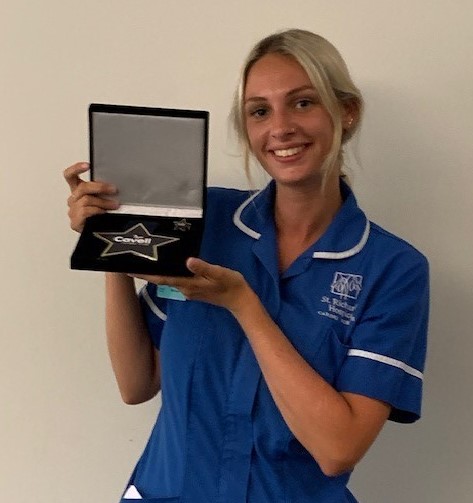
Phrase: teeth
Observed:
(288, 151)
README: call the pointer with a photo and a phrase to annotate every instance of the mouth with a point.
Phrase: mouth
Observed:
(288, 152)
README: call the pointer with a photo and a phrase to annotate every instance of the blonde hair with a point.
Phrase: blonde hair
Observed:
(328, 73)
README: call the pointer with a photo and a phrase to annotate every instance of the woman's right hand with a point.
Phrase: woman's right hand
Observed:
(87, 198)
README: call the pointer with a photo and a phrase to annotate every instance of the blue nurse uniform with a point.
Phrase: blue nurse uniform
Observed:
(355, 306)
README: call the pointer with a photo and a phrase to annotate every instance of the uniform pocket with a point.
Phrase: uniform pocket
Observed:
(330, 356)
(321, 349)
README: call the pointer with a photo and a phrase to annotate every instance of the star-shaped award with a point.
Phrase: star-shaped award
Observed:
(137, 240)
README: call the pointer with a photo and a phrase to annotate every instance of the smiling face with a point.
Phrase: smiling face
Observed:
(288, 129)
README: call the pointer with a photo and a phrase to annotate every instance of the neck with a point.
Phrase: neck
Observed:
(302, 216)
(306, 213)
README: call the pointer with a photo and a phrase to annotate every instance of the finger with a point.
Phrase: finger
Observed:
(92, 188)
(78, 218)
(174, 281)
(88, 200)
(200, 267)
(157, 280)
(71, 174)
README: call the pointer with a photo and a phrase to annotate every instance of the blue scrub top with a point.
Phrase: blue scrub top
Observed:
(355, 306)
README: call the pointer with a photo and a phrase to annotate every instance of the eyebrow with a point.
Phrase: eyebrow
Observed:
(289, 94)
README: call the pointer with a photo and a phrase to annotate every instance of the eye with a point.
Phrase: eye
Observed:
(258, 112)
(304, 103)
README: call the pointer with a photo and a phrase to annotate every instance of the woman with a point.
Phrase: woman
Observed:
(305, 324)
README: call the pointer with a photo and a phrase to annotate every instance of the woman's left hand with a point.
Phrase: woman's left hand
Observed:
(211, 283)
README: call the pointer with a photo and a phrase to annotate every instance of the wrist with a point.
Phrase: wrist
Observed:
(246, 301)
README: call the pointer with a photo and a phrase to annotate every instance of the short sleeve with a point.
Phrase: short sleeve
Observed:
(154, 311)
(387, 351)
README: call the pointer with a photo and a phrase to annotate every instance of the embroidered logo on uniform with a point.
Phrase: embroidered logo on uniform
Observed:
(346, 286)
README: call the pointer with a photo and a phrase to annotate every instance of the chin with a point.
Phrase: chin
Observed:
(314, 182)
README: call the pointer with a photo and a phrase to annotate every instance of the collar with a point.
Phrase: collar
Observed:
(346, 235)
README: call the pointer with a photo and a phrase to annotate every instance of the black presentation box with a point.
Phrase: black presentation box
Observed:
(157, 158)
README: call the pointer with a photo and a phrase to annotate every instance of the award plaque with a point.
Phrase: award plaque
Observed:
(157, 158)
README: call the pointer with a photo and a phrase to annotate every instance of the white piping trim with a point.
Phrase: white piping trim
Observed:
(348, 253)
(237, 218)
(144, 293)
(389, 361)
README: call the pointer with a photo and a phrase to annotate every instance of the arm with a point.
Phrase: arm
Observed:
(134, 359)
(336, 428)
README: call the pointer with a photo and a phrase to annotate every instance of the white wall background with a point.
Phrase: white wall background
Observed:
(64, 435)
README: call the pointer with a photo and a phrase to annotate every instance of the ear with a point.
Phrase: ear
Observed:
(351, 110)
(351, 113)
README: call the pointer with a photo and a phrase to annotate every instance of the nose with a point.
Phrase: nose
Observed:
(282, 126)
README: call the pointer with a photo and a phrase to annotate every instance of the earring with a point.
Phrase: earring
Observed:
(350, 122)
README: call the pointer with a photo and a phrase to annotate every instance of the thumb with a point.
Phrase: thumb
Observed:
(199, 267)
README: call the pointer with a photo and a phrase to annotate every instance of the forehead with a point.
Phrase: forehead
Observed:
(275, 73)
